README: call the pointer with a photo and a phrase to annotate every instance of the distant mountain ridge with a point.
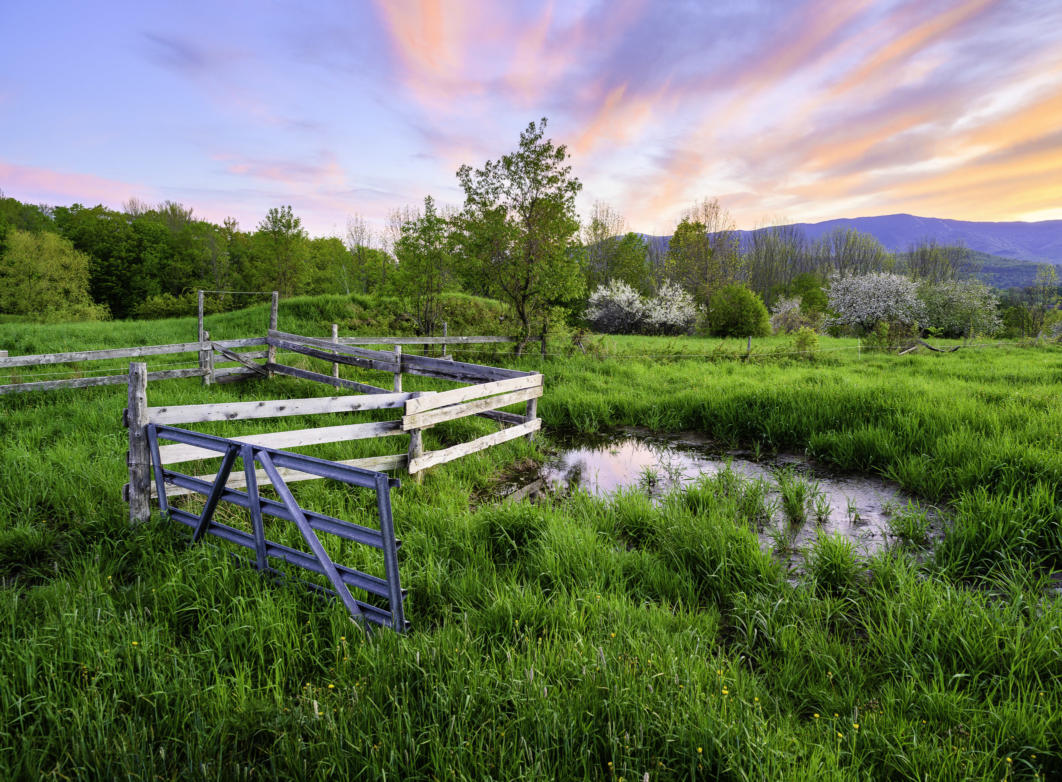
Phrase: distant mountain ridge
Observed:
(1039, 242)
(1016, 247)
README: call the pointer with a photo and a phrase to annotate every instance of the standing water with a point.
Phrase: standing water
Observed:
(806, 499)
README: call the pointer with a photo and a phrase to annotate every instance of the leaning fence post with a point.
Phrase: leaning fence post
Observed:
(398, 368)
(445, 335)
(271, 357)
(416, 448)
(139, 458)
(335, 338)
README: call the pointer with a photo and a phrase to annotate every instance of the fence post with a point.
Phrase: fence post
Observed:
(208, 378)
(416, 449)
(445, 335)
(3, 354)
(531, 414)
(138, 458)
(200, 336)
(335, 338)
(271, 357)
(398, 371)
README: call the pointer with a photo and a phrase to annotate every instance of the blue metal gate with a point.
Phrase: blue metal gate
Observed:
(309, 523)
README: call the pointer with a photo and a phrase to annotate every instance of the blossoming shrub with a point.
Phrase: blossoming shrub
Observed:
(735, 311)
(616, 308)
(671, 311)
(862, 302)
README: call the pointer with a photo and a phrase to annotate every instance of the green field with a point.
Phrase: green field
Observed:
(577, 638)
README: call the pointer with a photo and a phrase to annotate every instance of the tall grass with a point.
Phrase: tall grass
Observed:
(578, 638)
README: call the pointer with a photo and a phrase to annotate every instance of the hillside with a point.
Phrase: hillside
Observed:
(1006, 253)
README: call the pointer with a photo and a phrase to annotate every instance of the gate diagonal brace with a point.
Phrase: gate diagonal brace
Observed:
(308, 523)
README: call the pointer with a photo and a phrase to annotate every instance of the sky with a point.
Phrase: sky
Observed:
(798, 110)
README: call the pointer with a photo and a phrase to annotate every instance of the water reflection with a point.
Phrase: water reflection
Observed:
(860, 508)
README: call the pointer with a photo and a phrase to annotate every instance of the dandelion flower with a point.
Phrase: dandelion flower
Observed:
(331, 686)
(816, 715)
(700, 750)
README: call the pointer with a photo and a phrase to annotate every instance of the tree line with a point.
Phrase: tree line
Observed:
(517, 237)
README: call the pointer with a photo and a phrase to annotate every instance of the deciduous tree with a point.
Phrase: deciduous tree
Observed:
(519, 226)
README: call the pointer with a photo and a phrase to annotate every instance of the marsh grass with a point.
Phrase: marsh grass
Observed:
(579, 638)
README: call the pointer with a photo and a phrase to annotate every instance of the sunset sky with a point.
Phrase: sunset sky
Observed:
(783, 110)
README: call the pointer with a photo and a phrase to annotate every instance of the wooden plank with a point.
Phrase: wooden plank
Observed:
(245, 354)
(354, 361)
(98, 355)
(425, 340)
(240, 359)
(433, 458)
(502, 417)
(338, 382)
(273, 408)
(242, 343)
(89, 382)
(327, 344)
(456, 395)
(457, 370)
(239, 480)
(432, 417)
(181, 452)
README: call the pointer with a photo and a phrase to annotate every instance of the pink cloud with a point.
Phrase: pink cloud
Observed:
(30, 183)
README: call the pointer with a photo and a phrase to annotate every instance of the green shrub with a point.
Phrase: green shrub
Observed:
(806, 341)
(735, 311)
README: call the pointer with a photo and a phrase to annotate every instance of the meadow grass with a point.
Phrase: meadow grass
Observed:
(574, 638)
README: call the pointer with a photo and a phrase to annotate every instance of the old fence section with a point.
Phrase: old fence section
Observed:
(482, 392)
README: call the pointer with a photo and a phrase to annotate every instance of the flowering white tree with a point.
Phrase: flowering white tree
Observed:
(615, 308)
(865, 300)
(960, 308)
(671, 311)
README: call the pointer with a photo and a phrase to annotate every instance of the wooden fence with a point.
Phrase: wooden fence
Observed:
(483, 391)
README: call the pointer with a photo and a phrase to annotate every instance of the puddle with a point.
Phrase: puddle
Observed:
(857, 507)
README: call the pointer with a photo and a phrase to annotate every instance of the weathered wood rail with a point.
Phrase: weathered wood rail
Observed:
(209, 370)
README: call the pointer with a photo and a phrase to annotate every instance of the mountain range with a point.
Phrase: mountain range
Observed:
(1008, 253)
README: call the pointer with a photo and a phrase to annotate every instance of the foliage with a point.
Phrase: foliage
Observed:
(813, 297)
(788, 316)
(282, 246)
(425, 266)
(519, 225)
(702, 253)
(611, 254)
(735, 311)
(959, 308)
(44, 277)
(928, 261)
(889, 335)
(806, 341)
(862, 301)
